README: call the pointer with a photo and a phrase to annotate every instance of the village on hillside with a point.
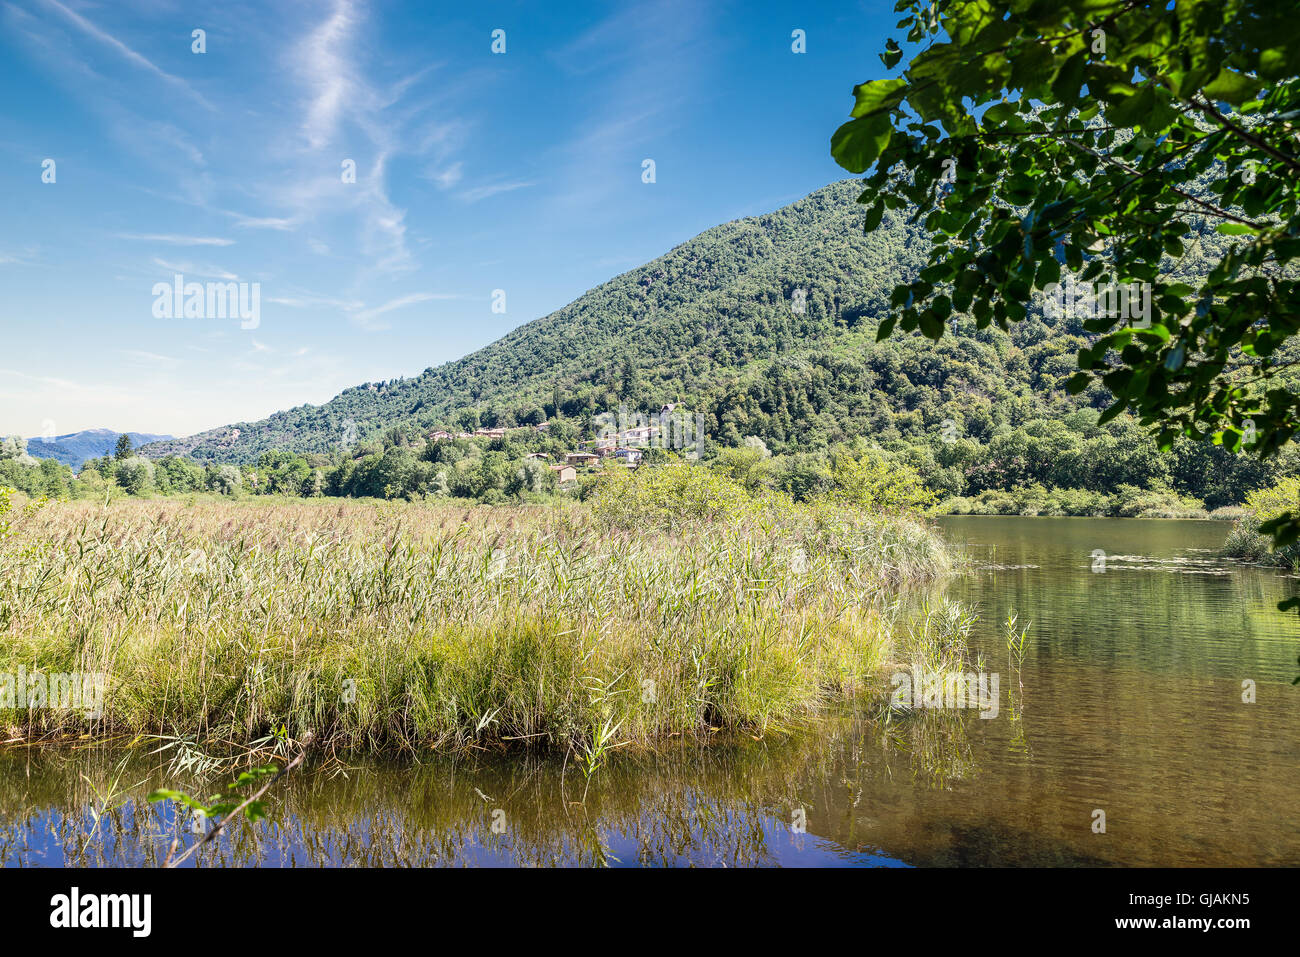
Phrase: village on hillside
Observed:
(623, 446)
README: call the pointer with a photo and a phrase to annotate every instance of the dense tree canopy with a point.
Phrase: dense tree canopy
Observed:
(1104, 141)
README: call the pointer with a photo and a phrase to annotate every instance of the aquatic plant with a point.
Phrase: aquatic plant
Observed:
(411, 627)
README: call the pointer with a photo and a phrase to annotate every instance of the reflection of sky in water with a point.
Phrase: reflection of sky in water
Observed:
(51, 838)
(1129, 700)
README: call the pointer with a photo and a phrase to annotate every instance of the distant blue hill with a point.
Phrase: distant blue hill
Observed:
(76, 447)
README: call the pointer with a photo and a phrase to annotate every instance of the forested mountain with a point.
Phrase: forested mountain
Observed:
(710, 323)
(76, 447)
(715, 324)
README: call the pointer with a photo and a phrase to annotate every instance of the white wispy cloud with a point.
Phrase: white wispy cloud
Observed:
(196, 269)
(263, 222)
(622, 58)
(177, 240)
(384, 231)
(492, 189)
(149, 357)
(366, 317)
(326, 68)
(46, 380)
(103, 36)
(307, 302)
(337, 88)
(349, 113)
(441, 138)
(172, 136)
(448, 177)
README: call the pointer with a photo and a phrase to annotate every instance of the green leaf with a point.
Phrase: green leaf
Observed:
(1077, 383)
(163, 794)
(999, 113)
(858, 143)
(1232, 87)
(891, 55)
(1129, 110)
(877, 96)
(1069, 79)
(1032, 64)
(874, 215)
(1110, 413)
(931, 325)
(1285, 529)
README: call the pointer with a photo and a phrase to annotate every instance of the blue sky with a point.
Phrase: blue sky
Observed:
(475, 171)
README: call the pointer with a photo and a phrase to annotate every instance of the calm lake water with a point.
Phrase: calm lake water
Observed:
(1129, 701)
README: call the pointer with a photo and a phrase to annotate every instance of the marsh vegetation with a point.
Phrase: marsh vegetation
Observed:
(688, 608)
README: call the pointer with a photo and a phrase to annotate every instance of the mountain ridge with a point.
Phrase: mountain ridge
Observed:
(75, 448)
(719, 324)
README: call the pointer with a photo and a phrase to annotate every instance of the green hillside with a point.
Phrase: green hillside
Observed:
(713, 325)
(709, 324)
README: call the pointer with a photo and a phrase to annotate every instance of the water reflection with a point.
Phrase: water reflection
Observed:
(1129, 699)
(728, 805)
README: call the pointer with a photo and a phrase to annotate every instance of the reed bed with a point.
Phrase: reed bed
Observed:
(406, 627)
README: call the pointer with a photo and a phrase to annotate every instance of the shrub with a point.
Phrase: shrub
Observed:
(878, 483)
(1246, 543)
(1244, 539)
(135, 475)
(1269, 503)
(227, 480)
(673, 495)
